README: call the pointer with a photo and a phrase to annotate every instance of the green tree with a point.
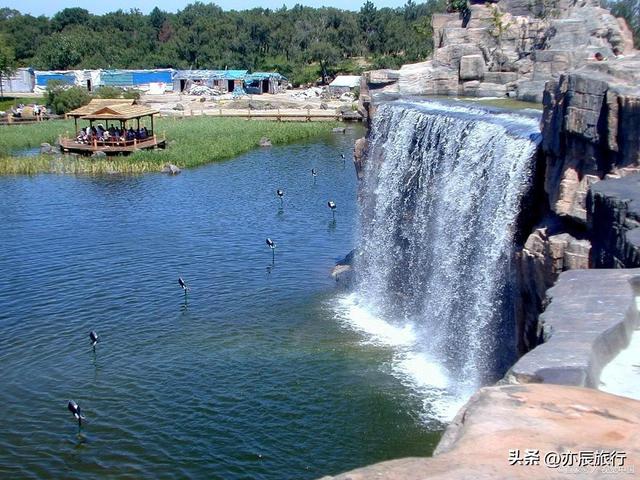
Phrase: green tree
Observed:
(70, 17)
(326, 55)
(61, 98)
(630, 11)
(7, 63)
(60, 52)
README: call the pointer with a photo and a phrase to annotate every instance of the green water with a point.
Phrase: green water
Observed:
(254, 377)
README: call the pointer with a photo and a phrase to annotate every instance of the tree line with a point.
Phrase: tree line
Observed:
(302, 43)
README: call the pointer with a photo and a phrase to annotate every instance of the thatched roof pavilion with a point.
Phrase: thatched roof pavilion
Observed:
(112, 110)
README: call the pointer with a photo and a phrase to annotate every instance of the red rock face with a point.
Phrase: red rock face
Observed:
(551, 420)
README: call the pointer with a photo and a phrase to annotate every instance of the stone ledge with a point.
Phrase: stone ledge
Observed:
(613, 214)
(590, 320)
(548, 418)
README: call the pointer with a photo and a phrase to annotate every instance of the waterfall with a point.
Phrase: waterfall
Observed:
(441, 193)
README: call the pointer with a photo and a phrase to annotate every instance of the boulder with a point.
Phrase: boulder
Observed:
(589, 318)
(450, 55)
(530, 91)
(46, 148)
(179, 107)
(99, 155)
(359, 156)
(264, 142)
(171, 169)
(501, 78)
(472, 67)
(339, 130)
(518, 431)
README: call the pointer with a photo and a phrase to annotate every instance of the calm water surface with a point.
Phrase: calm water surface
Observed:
(254, 378)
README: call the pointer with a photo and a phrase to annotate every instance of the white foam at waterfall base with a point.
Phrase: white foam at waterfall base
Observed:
(378, 331)
(415, 369)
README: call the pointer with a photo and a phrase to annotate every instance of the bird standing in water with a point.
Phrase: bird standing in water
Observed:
(74, 408)
(280, 194)
(272, 245)
(93, 336)
(332, 205)
(314, 174)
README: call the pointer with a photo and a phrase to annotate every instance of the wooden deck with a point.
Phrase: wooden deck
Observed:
(277, 114)
(68, 145)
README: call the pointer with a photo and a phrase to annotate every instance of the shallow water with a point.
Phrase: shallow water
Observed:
(256, 377)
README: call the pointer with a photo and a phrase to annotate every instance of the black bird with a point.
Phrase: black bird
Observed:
(94, 338)
(332, 205)
(182, 283)
(342, 156)
(74, 408)
(272, 245)
(314, 173)
(280, 193)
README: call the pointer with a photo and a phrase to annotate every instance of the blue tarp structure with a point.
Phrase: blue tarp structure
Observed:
(44, 77)
(183, 79)
(264, 82)
(135, 78)
(264, 76)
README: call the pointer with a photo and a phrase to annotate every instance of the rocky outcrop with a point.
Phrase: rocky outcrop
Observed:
(264, 142)
(538, 264)
(613, 214)
(589, 319)
(508, 48)
(590, 134)
(526, 432)
(590, 129)
(171, 169)
(359, 152)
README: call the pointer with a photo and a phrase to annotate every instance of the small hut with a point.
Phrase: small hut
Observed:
(265, 82)
(120, 128)
(343, 84)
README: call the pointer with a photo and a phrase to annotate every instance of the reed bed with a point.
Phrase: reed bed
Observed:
(191, 142)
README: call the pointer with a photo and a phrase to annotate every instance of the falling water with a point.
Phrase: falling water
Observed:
(440, 197)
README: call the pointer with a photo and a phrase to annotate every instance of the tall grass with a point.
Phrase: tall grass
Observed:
(21, 137)
(191, 142)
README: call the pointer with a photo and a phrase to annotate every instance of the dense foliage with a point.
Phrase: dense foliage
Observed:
(61, 99)
(630, 11)
(302, 43)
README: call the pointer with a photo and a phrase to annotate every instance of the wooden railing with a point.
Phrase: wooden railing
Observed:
(95, 144)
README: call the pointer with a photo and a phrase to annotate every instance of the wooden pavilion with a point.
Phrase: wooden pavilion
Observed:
(104, 112)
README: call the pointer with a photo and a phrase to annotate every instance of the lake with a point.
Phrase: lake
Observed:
(253, 375)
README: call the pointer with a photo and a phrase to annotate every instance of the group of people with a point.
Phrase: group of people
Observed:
(21, 110)
(111, 135)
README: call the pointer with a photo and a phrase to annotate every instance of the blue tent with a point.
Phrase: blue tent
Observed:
(42, 78)
(136, 78)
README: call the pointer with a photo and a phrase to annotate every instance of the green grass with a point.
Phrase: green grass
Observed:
(191, 142)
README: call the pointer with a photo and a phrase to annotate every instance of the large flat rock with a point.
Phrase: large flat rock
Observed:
(590, 319)
(548, 419)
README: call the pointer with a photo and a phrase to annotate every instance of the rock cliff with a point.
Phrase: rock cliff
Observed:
(509, 48)
(590, 142)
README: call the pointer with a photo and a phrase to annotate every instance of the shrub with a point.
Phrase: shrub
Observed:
(61, 98)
